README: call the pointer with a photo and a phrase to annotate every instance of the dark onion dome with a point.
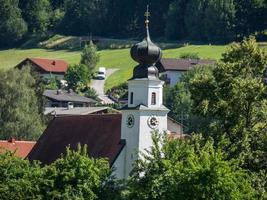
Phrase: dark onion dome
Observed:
(145, 72)
(146, 52)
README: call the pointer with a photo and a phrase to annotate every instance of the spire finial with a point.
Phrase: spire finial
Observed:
(147, 15)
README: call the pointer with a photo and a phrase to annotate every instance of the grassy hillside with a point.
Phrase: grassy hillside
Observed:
(110, 58)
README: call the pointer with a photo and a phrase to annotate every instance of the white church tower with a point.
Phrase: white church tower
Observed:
(145, 111)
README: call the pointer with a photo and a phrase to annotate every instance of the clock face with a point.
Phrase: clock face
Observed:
(153, 122)
(130, 121)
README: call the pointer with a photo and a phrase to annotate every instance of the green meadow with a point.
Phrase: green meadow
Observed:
(118, 58)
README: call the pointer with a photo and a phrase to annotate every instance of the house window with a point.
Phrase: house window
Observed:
(131, 98)
(153, 98)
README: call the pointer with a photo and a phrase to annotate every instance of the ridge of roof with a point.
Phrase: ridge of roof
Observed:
(50, 65)
(101, 133)
(181, 64)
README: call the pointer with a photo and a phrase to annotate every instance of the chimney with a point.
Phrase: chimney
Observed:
(11, 140)
(70, 105)
(59, 92)
(54, 62)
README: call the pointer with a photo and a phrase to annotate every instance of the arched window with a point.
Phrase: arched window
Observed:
(153, 98)
(131, 98)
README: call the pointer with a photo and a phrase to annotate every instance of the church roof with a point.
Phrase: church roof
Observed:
(101, 133)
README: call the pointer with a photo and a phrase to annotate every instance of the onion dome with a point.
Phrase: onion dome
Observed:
(146, 52)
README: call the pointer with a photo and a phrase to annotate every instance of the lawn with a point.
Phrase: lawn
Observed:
(119, 59)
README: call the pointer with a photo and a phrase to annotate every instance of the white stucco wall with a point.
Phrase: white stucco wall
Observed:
(174, 76)
(142, 91)
(49, 76)
(138, 138)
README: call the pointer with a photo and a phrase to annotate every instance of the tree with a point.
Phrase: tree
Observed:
(73, 176)
(248, 14)
(175, 23)
(233, 99)
(219, 21)
(19, 108)
(12, 26)
(21, 180)
(90, 57)
(83, 17)
(194, 18)
(187, 169)
(37, 14)
(77, 76)
(210, 20)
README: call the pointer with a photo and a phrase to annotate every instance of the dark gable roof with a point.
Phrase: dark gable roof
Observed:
(173, 64)
(66, 96)
(100, 132)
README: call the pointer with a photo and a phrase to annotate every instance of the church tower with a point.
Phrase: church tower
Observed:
(145, 111)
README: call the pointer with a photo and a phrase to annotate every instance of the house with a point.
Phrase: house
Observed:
(19, 148)
(47, 68)
(61, 111)
(171, 69)
(67, 99)
(120, 136)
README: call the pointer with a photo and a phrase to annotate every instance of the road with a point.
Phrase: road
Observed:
(99, 85)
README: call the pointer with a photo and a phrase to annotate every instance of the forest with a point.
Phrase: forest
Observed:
(213, 21)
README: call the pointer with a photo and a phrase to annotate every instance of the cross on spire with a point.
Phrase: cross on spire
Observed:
(147, 15)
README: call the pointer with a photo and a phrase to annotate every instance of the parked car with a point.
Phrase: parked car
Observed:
(101, 73)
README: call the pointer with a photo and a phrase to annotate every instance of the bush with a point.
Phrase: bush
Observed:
(191, 55)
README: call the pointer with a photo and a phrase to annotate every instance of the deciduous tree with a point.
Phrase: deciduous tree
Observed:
(20, 114)
(77, 76)
(188, 169)
(90, 57)
(233, 98)
(12, 26)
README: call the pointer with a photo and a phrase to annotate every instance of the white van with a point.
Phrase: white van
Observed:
(101, 73)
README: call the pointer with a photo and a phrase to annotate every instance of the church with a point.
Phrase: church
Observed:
(118, 137)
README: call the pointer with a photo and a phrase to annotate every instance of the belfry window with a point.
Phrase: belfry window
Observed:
(131, 98)
(153, 98)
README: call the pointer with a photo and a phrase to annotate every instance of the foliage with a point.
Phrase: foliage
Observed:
(120, 91)
(187, 169)
(37, 14)
(19, 178)
(52, 83)
(12, 26)
(89, 92)
(202, 20)
(90, 57)
(84, 17)
(233, 98)
(74, 176)
(248, 15)
(20, 114)
(191, 55)
(77, 76)
(175, 24)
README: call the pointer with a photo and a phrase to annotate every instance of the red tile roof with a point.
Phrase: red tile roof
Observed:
(21, 148)
(101, 133)
(51, 65)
